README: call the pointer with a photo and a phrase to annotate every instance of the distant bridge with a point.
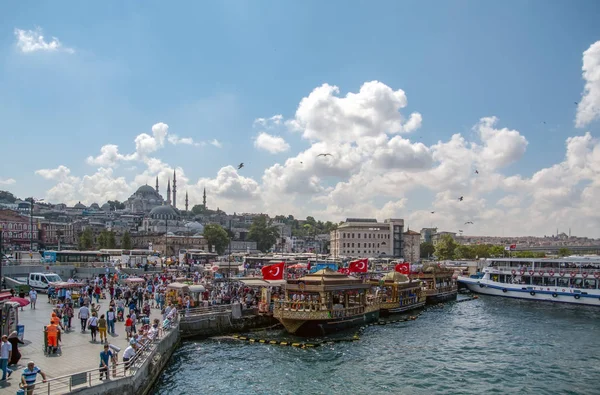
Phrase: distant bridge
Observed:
(553, 249)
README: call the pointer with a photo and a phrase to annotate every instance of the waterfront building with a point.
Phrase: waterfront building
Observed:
(438, 236)
(427, 235)
(412, 246)
(365, 237)
(17, 231)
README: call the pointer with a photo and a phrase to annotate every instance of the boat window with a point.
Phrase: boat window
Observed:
(563, 282)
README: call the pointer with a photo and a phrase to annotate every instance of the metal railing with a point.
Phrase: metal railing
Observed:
(92, 377)
(196, 311)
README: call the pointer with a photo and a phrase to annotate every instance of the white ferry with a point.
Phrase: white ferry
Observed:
(568, 280)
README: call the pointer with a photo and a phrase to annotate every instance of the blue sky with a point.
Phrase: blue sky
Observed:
(208, 70)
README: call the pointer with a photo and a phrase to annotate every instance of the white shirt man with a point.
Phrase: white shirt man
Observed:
(128, 354)
(33, 297)
(5, 355)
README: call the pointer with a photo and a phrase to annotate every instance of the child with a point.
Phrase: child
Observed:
(128, 324)
(102, 329)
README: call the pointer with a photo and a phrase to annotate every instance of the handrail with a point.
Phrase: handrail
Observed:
(117, 370)
(204, 310)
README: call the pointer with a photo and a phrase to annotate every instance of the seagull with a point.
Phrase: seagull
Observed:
(476, 171)
(433, 212)
(544, 122)
(240, 165)
(324, 155)
(576, 103)
(461, 198)
(469, 222)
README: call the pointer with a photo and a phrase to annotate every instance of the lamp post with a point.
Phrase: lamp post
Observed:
(31, 203)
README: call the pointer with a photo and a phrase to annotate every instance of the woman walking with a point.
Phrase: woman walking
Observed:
(93, 325)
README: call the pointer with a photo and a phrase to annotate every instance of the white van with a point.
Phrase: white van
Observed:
(40, 281)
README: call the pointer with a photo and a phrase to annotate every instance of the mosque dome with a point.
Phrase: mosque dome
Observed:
(195, 227)
(163, 212)
(105, 207)
(145, 189)
(79, 206)
(94, 206)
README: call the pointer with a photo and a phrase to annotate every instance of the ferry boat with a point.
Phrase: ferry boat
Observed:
(439, 282)
(398, 293)
(569, 280)
(325, 302)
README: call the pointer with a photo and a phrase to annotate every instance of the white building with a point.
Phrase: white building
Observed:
(412, 246)
(365, 237)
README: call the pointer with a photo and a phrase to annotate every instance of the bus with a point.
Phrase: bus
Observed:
(115, 254)
(196, 257)
(140, 258)
(76, 257)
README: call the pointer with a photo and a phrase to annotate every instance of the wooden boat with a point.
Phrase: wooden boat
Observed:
(398, 293)
(325, 302)
(439, 283)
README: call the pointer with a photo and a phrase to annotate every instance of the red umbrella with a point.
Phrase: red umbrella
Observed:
(21, 301)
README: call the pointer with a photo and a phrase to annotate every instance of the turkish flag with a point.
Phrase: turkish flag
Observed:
(403, 268)
(308, 266)
(343, 270)
(359, 266)
(273, 272)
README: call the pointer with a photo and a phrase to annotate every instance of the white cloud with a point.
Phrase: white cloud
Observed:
(270, 143)
(109, 156)
(33, 41)
(7, 181)
(60, 173)
(588, 108)
(275, 120)
(216, 143)
(174, 139)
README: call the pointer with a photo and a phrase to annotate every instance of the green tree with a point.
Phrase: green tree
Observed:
(198, 209)
(464, 252)
(427, 249)
(216, 236)
(103, 239)
(564, 252)
(126, 241)
(111, 241)
(86, 240)
(263, 233)
(445, 248)
(116, 205)
(7, 197)
(497, 251)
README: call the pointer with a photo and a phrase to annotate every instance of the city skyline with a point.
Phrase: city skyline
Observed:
(506, 118)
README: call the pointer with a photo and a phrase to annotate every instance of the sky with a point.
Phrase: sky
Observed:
(419, 103)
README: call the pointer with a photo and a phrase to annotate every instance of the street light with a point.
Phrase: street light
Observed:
(31, 203)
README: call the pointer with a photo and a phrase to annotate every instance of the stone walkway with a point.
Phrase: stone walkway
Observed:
(78, 352)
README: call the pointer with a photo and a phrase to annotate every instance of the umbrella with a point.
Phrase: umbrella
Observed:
(21, 301)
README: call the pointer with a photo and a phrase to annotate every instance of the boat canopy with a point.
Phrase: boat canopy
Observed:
(395, 277)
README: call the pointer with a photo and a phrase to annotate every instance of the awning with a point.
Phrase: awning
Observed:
(257, 282)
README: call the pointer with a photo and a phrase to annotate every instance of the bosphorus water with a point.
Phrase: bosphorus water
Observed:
(490, 345)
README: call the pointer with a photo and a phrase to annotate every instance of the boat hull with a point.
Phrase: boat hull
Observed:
(442, 297)
(590, 297)
(386, 311)
(309, 328)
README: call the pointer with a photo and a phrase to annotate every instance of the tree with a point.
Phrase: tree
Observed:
(86, 240)
(564, 252)
(464, 252)
(445, 248)
(427, 249)
(263, 233)
(7, 197)
(126, 241)
(496, 251)
(107, 239)
(116, 205)
(198, 209)
(216, 236)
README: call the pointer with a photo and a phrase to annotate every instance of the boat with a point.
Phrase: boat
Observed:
(439, 282)
(325, 302)
(568, 280)
(399, 293)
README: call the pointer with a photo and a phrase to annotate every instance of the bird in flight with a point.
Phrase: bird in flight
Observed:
(240, 165)
(324, 155)
(476, 171)
(576, 103)
(461, 198)
(433, 212)
(469, 222)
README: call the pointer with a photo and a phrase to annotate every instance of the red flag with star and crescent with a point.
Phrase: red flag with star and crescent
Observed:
(273, 272)
(403, 268)
(359, 266)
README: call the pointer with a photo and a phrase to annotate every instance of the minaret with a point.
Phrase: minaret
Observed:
(186, 201)
(156, 184)
(169, 192)
(204, 199)
(174, 190)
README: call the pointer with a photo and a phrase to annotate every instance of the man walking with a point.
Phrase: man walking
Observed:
(84, 314)
(29, 376)
(5, 356)
(33, 297)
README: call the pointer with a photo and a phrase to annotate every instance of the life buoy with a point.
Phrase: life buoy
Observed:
(522, 272)
(562, 273)
(577, 296)
(532, 293)
(596, 274)
(563, 290)
(504, 290)
(513, 272)
(551, 273)
(585, 274)
(554, 295)
(541, 273)
(573, 274)
(531, 272)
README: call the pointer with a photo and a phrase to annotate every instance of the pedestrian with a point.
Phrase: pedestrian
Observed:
(105, 357)
(133, 321)
(32, 297)
(128, 326)
(29, 376)
(5, 356)
(84, 314)
(14, 341)
(102, 329)
(93, 325)
(110, 320)
(129, 353)
(53, 332)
